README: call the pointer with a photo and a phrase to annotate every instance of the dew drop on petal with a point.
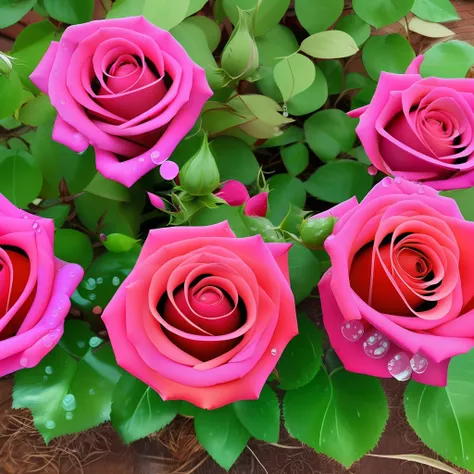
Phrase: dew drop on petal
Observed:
(48, 369)
(141, 160)
(352, 330)
(386, 182)
(169, 170)
(372, 170)
(63, 101)
(24, 215)
(24, 362)
(48, 341)
(95, 341)
(50, 424)
(376, 345)
(398, 180)
(420, 189)
(419, 364)
(399, 367)
(273, 352)
(155, 157)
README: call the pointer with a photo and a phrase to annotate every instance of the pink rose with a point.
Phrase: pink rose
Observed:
(127, 88)
(203, 316)
(34, 288)
(421, 129)
(399, 297)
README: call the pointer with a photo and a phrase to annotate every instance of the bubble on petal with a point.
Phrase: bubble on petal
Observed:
(24, 361)
(48, 341)
(274, 352)
(36, 227)
(169, 170)
(419, 364)
(376, 345)
(50, 424)
(386, 182)
(63, 101)
(155, 157)
(372, 170)
(352, 330)
(399, 367)
(420, 189)
(24, 215)
(398, 180)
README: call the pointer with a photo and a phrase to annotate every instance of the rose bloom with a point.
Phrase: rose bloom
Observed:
(204, 316)
(34, 288)
(127, 88)
(399, 297)
(421, 129)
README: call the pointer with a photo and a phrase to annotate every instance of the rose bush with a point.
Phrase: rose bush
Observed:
(203, 316)
(399, 297)
(34, 289)
(126, 87)
(421, 129)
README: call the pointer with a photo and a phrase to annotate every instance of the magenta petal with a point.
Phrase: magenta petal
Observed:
(40, 76)
(257, 206)
(169, 170)
(414, 67)
(156, 201)
(69, 136)
(234, 193)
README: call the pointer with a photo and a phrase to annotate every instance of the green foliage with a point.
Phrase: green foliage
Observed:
(70, 11)
(341, 409)
(11, 94)
(304, 271)
(329, 45)
(355, 27)
(78, 377)
(448, 410)
(137, 410)
(296, 158)
(73, 246)
(13, 11)
(285, 190)
(450, 59)
(318, 15)
(381, 13)
(464, 199)
(302, 358)
(37, 111)
(435, 10)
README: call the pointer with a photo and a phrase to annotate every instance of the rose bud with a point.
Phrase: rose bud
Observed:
(314, 231)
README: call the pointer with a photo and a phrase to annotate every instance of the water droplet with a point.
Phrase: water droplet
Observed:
(273, 352)
(90, 284)
(420, 189)
(141, 160)
(69, 415)
(116, 281)
(419, 364)
(467, 458)
(92, 296)
(95, 341)
(155, 157)
(48, 341)
(103, 237)
(97, 310)
(100, 280)
(399, 367)
(24, 215)
(376, 345)
(45, 378)
(36, 227)
(372, 170)
(398, 180)
(352, 330)
(50, 424)
(358, 413)
(63, 101)
(386, 182)
(48, 369)
(91, 391)
(80, 344)
(285, 111)
(69, 402)
(72, 274)
(24, 362)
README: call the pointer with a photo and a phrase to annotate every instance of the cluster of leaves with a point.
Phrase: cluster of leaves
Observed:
(283, 77)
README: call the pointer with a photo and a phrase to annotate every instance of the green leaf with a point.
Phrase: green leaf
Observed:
(188, 409)
(390, 53)
(341, 415)
(12, 11)
(196, 44)
(447, 410)
(312, 98)
(318, 15)
(232, 214)
(449, 59)
(261, 417)
(222, 435)
(20, 177)
(332, 70)
(304, 271)
(78, 376)
(276, 44)
(268, 15)
(354, 26)
(330, 132)
(103, 278)
(294, 75)
(58, 213)
(340, 180)
(285, 190)
(11, 94)
(381, 13)
(302, 358)
(138, 411)
(195, 6)
(37, 111)
(360, 155)
(70, 11)
(296, 158)
(464, 199)
(234, 159)
(210, 29)
(435, 10)
(101, 186)
(158, 12)
(119, 243)
(29, 48)
(292, 134)
(58, 161)
(329, 45)
(73, 246)
(429, 29)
